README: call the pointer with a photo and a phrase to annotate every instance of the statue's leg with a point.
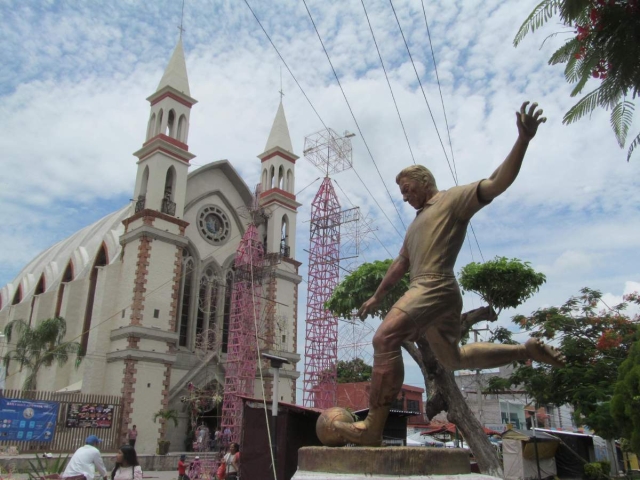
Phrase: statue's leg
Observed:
(386, 380)
(489, 355)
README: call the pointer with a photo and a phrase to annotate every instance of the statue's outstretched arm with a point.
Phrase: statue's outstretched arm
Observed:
(506, 173)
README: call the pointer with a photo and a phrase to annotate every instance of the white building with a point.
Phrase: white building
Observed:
(139, 287)
(495, 411)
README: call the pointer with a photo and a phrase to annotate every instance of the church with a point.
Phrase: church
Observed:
(147, 290)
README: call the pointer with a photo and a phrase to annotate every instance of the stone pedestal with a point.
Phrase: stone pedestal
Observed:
(354, 463)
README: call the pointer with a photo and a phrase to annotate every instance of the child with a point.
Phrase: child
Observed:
(182, 468)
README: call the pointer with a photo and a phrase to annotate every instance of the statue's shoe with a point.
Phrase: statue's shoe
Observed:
(359, 433)
(541, 352)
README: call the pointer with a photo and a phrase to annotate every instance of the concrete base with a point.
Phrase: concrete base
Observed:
(361, 462)
(338, 476)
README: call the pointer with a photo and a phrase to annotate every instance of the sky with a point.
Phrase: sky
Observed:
(75, 76)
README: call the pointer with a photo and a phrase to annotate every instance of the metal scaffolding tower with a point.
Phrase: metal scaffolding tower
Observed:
(331, 153)
(242, 358)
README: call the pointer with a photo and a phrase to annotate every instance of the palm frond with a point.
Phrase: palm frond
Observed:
(565, 52)
(621, 117)
(585, 105)
(538, 17)
(18, 325)
(634, 144)
(574, 11)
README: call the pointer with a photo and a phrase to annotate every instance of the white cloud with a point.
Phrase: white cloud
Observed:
(73, 99)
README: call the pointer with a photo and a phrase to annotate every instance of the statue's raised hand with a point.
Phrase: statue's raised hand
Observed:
(367, 307)
(528, 121)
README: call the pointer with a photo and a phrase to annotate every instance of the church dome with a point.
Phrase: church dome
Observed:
(79, 250)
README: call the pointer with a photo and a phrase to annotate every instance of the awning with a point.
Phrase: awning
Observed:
(435, 428)
(73, 388)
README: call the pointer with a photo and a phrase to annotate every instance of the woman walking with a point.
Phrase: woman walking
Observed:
(127, 466)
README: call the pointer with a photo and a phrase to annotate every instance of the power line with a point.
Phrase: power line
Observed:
(423, 92)
(388, 82)
(335, 74)
(322, 121)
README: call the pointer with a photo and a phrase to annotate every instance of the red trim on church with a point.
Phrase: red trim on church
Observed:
(148, 213)
(174, 97)
(280, 202)
(279, 154)
(167, 139)
(167, 152)
(278, 190)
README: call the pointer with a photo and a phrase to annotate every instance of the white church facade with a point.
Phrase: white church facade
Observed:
(147, 288)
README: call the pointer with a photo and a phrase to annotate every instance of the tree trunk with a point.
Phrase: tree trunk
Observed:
(444, 395)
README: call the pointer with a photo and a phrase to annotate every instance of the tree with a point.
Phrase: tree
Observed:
(606, 46)
(444, 394)
(595, 343)
(40, 346)
(625, 404)
(353, 371)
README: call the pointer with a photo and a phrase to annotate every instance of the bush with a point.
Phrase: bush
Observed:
(597, 470)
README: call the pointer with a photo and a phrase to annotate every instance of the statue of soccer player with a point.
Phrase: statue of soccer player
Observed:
(433, 304)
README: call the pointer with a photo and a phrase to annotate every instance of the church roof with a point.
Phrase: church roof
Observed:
(175, 74)
(80, 249)
(279, 136)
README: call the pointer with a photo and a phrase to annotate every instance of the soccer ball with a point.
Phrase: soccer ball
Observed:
(324, 426)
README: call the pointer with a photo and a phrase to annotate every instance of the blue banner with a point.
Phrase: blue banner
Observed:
(27, 420)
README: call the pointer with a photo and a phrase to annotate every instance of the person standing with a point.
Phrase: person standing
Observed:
(232, 461)
(132, 435)
(182, 468)
(127, 466)
(86, 460)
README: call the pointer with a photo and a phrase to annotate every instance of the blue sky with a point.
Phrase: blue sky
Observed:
(76, 74)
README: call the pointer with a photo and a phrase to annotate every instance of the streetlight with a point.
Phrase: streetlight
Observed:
(276, 364)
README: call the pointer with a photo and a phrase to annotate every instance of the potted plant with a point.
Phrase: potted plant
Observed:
(164, 415)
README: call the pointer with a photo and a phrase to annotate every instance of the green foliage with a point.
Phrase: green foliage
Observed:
(167, 414)
(48, 467)
(625, 404)
(39, 346)
(595, 343)
(606, 46)
(597, 470)
(360, 285)
(353, 371)
(501, 282)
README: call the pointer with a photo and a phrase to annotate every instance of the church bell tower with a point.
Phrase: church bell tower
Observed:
(144, 344)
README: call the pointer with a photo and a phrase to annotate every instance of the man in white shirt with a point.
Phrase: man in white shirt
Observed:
(86, 460)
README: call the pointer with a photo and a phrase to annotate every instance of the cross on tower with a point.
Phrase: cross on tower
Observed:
(181, 19)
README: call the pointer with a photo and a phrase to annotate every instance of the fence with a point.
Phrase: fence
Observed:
(67, 437)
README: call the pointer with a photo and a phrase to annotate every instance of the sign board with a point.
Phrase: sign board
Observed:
(89, 415)
(27, 420)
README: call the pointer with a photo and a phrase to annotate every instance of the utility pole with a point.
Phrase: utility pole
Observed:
(480, 399)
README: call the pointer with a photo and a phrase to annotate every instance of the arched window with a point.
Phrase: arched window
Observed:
(228, 298)
(272, 177)
(207, 301)
(284, 237)
(171, 123)
(186, 292)
(265, 180)
(66, 278)
(290, 186)
(167, 205)
(159, 123)
(17, 298)
(169, 183)
(151, 127)
(40, 288)
(281, 178)
(182, 129)
(101, 260)
(145, 181)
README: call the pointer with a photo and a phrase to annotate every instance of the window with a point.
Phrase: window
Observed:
(184, 309)
(413, 406)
